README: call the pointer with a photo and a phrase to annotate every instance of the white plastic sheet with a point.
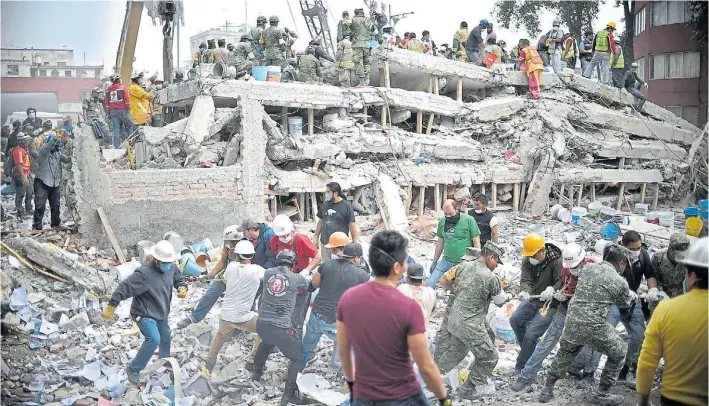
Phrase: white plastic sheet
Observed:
(318, 388)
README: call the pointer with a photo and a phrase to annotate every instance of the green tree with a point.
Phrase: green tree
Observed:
(626, 38)
(698, 20)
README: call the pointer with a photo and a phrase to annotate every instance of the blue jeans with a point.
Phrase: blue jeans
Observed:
(635, 328)
(528, 326)
(315, 329)
(474, 57)
(617, 75)
(118, 117)
(442, 267)
(416, 400)
(210, 297)
(157, 334)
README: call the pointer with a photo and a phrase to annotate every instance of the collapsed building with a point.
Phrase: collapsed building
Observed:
(429, 129)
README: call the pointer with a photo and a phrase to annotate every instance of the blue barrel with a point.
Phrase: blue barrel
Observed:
(259, 73)
(704, 205)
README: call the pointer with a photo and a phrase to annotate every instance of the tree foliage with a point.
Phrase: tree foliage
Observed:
(577, 15)
(626, 38)
(698, 20)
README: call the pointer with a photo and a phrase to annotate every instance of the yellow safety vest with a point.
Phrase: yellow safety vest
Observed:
(620, 63)
(602, 44)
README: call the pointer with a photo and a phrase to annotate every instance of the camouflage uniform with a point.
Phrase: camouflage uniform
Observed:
(475, 285)
(272, 45)
(309, 69)
(670, 274)
(95, 111)
(256, 44)
(598, 289)
(221, 55)
(343, 29)
(242, 58)
(361, 35)
(289, 74)
(415, 45)
(344, 64)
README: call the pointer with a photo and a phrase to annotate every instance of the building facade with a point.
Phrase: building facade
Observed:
(672, 63)
(231, 35)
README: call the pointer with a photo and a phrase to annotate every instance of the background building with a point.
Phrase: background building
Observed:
(672, 63)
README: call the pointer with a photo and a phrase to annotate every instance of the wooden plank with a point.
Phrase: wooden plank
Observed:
(437, 197)
(382, 77)
(314, 205)
(422, 196)
(430, 124)
(409, 192)
(621, 186)
(578, 199)
(384, 116)
(300, 205)
(419, 122)
(643, 189)
(561, 193)
(515, 197)
(571, 194)
(494, 195)
(111, 236)
(306, 207)
(387, 74)
(310, 121)
(460, 89)
(482, 188)
(430, 83)
(274, 206)
(656, 197)
(593, 192)
(522, 194)
(435, 85)
(284, 120)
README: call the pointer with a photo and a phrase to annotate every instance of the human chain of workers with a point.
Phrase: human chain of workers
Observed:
(377, 313)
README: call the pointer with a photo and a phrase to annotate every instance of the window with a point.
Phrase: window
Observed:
(676, 65)
(61, 63)
(641, 68)
(13, 70)
(84, 74)
(55, 72)
(689, 113)
(669, 12)
(42, 72)
(46, 64)
(67, 73)
(640, 21)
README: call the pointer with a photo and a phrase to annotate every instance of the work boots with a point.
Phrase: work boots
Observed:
(519, 384)
(586, 381)
(291, 395)
(547, 392)
(623, 373)
(604, 397)
(467, 390)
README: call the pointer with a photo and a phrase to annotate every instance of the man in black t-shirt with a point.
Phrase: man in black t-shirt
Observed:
(335, 215)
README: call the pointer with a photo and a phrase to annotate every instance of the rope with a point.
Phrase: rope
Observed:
(293, 17)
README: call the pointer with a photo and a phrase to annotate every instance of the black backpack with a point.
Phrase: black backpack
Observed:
(542, 44)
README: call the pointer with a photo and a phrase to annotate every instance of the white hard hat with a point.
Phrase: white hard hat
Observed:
(232, 233)
(163, 251)
(244, 249)
(698, 254)
(282, 225)
(573, 255)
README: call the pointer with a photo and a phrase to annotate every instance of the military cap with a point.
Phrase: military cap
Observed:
(471, 253)
(491, 247)
(679, 242)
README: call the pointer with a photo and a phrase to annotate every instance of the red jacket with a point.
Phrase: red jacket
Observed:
(22, 161)
(117, 98)
(568, 281)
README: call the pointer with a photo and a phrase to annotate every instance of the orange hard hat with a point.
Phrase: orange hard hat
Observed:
(338, 239)
(532, 244)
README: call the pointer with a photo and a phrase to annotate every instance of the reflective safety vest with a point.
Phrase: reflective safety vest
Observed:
(620, 63)
(602, 44)
(532, 60)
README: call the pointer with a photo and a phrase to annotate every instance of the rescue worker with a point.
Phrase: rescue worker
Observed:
(345, 65)
(603, 48)
(388, 37)
(487, 222)
(319, 52)
(490, 33)
(414, 44)
(22, 175)
(242, 280)
(541, 276)
(475, 285)
(335, 214)
(494, 49)
(242, 57)
(67, 125)
(158, 109)
(600, 287)
(290, 72)
(221, 54)
(48, 177)
(505, 55)
(230, 55)
(139, 101)
(668, 269)
(530, 62)
(361, 35)
(94, 113)
(677, 332)
(200, 56)
(570, 51)
(632, 83)
(474, 43)
(344, 26)
(118, 109)
(332, 278)
(514, 54)
(555, 39)
(255, 34)
(309, 67)
(211, 51)
(617, 65)
(32, 124)
(150, 286)
(273, 43)
(280, 289)
(586, 50)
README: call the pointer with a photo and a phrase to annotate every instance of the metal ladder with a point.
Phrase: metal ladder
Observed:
(316, 18)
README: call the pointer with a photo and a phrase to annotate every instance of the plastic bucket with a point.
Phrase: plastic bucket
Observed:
(554, 209)
(202, 245)
(259, 73)
(576, 214)
(652, 218)
(610, 231)
(693, 226)
(667, 218)
(600, 245)
(538, 228)
(607, 213)
(563, 215)
(704, 205)
(201, 258)
(593, 208)
(641, 208)
(144, 248)
(704, 215)
(174, 239)
(295, 126)
(691, 211)
(273, 73)
(186, 257)
(190, 268)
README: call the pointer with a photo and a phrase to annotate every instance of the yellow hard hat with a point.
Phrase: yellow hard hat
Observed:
(338, 239)
(532, 244)
(611, 24)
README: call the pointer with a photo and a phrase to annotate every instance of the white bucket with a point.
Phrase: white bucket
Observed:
(144, 248)
(576, 214)
(273, 73)
(600, 245)
(593, 208)
(667, 218)
(641, 208)
(555, 209)
(563, 215)
(295, 126)
(174, 239)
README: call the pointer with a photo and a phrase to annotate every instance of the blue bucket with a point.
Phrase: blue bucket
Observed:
(610, 231)
(191, 269)
(704, 205)
(704, 215)
(259, 73)
(691, 211)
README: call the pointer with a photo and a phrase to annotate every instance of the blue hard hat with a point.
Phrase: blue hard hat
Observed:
(484, 23)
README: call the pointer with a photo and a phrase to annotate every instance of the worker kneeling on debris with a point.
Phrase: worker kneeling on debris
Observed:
(150, 286)
(242, 279)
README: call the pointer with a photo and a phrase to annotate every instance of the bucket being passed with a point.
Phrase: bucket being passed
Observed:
(191, 268)
(593, 208)
(667, 218)
(600, 245)
(273, 73)
(295, 126)
(607, 213)
(576, 214)
(610, 231)
(693, 226)
(259, 73)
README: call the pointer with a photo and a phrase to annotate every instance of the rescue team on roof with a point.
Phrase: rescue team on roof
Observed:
(378, 313)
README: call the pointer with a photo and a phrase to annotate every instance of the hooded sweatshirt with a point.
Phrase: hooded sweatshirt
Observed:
(151, 290)
(536, 278)
(262, 247)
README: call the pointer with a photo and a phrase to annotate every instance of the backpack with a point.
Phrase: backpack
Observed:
(542, 44)
(10, 164)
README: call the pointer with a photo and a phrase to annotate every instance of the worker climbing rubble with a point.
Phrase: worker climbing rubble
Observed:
(344, 26)
(255, 35)
(632, 82)
(345, 64)
(531, 63)
(361, 29)
(242, 56)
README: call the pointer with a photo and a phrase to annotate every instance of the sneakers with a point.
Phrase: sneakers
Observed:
(519, 384)
(133, 377)
(547, 392)
(291, 395)
(605, 398)
(184, 322)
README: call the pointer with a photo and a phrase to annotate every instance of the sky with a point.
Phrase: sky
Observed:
(93, 28)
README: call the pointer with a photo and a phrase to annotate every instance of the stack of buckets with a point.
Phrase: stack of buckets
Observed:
(694, 215)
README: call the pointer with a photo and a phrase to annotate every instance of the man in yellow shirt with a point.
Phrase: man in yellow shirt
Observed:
(139, 101)
(677, 332)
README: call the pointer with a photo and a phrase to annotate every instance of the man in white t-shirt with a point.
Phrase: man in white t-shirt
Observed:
(423, 295)
(242, 279)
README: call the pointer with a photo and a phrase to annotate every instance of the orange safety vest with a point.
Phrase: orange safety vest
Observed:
(532, 59)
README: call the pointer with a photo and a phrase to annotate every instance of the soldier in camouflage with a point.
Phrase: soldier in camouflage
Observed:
(241, 57)
(309, 67)
(345, 65)
(668, 271)
(201, 55)
(475, 286)
(343, 26)
(361, 35)
(256, 38)
(290, 72)
(273, 44)
(93, 109)
(586, 323)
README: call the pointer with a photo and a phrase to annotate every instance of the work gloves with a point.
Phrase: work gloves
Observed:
(632, 296)
(547, 295)
(653, 295)
(523, 296)
(560, 296)
(108, 312)
(182, 292)
(663, 295)
(646, 86)
(434, 264)
(447, 401)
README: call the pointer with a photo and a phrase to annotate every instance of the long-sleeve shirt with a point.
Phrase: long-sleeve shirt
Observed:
(630, 78)
(475, 38)
(139, 104)
(677, 332)
(49, 164)
(151, 290)
(611, 43)
(536, 278)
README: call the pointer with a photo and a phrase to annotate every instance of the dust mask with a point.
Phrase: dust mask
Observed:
(479, 211)
(534, 261)
(285, 238)
(575, 271)
(634, 254)
(166, 266)
(335, 256)
(328, 197)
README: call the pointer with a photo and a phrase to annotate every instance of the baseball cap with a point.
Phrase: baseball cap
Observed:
(415, 271)
(471, 254)
(495, 248)
(248, 224)
(352, 250)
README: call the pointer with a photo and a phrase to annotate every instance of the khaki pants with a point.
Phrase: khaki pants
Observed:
(225, 329)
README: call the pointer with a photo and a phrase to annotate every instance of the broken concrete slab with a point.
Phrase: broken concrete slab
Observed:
(495, 109)
(111, 155)
(638, 149)
(198, 123)
(390, 204)
(541, 184)
(300, 182)
(592, 175)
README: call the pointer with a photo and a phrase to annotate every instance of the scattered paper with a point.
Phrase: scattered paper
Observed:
(318, 388)
(91, 371)
(18, 299)
(14, 262)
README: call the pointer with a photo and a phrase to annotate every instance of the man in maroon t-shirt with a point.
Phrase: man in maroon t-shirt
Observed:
(383, 326)
(307, 259)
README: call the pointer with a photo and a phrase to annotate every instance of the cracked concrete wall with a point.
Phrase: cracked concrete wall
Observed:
(253, 156)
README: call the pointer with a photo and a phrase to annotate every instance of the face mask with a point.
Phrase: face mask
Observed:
(533, 261)
(635, 254)
(680, 255)
(285, 239)
(166, 266)
(575, 271)
(335, 256)
(328, 197)
(479, 211)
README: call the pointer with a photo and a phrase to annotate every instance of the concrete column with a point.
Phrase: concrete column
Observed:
(621, 192)
(254, 147)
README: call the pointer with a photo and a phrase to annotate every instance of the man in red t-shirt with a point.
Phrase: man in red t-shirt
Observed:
(307, 259)
(383, 326)
(118, 108)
